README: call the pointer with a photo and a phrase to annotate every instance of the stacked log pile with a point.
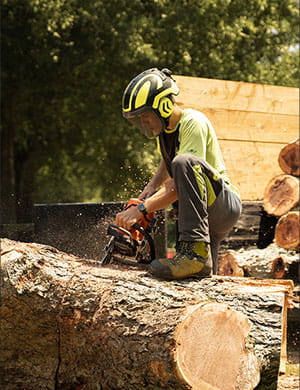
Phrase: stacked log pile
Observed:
(67, 323)
(281, 201)
(281, 198)
(272, 262)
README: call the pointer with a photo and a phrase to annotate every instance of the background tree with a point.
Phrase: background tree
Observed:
(65, 64)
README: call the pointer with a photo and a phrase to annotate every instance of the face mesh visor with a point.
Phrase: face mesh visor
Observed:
(137, 122)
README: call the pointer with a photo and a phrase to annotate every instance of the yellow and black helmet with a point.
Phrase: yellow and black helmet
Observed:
(151, 90)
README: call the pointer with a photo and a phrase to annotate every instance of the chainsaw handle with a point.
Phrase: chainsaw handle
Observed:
(122, 230)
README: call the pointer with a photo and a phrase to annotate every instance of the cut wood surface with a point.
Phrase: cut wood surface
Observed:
(228, 265)
(289, 158)
(257, 119)
(67, 323)
(287, 231)
(281, 195)
(279, 265)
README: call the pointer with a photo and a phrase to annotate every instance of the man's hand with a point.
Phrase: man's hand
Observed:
(129, 217)
(159, 200)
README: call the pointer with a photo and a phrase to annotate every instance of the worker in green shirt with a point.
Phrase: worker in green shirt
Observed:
(191, 171)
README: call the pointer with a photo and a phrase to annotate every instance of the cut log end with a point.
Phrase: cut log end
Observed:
(278, 267)
(287, 231)
(228, 266)
(281, 195)
(210, 348)
(289, 159)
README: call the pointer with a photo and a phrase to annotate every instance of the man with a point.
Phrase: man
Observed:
(191, 171)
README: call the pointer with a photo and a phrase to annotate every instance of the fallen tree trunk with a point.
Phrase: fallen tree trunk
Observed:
(67, 323)
(281, 195)
(287, 231)
(289, 159)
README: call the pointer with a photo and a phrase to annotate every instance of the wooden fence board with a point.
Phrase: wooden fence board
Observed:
(234, 95)
(250, 166)
(253, 126)
(253, 123)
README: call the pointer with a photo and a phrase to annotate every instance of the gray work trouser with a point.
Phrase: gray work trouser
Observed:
(197, 186)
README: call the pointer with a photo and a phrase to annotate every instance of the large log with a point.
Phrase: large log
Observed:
(281, 195)
(287, 231)
(67, 323)
(289, 158)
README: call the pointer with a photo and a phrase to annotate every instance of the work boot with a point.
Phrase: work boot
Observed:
(192, 259)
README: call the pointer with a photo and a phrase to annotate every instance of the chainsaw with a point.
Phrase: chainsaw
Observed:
(134, 246)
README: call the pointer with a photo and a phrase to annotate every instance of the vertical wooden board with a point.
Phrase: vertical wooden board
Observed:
(250, 165)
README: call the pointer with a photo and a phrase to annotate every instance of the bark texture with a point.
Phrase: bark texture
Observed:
(67, 323)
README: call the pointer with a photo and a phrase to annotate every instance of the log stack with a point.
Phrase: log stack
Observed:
(289, 159)
(67, 323)
(281, 198)
(272, 262)
(281, 201)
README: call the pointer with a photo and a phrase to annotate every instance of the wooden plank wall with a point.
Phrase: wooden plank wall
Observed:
(253, 123)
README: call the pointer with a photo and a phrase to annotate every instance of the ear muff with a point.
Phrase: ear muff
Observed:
(165, 107)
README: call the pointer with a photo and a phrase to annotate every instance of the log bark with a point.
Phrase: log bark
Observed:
(287, 231)
(281, 195)
(289, 159)
(67, 323)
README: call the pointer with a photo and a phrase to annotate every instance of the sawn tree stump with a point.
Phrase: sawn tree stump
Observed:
(287, 231)
(67, 323)
(281, 195)
(289, 158)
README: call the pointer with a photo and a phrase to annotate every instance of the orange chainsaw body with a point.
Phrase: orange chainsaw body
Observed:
(135, 245)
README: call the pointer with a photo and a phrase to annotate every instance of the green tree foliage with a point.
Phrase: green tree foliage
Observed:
(66, 63)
